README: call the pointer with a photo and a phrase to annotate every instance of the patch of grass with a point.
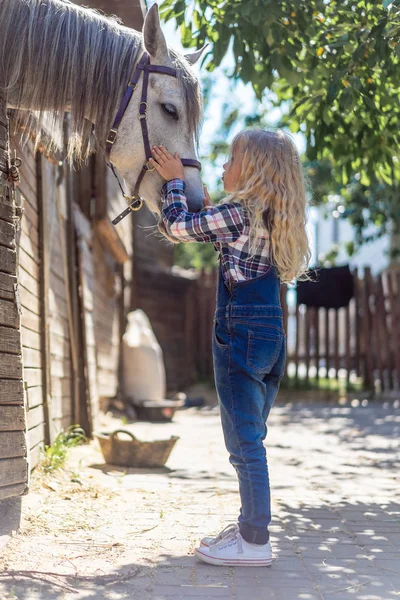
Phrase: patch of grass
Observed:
(322, 384)
(56, 454)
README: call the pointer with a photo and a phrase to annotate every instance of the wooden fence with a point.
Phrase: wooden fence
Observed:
(360, 342)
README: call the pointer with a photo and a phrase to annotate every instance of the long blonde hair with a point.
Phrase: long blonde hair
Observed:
(272, 187)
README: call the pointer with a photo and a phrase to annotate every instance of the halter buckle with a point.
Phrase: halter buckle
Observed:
(148, 166)
(113, 135)
(136, 202)
(142, 115)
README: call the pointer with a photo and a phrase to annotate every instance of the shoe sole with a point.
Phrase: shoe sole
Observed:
(232, 562)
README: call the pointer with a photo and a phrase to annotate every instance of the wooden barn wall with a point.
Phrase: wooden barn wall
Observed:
(167, 299)
(58, 326)
(13, 444)
(29, 279)
(106, 320)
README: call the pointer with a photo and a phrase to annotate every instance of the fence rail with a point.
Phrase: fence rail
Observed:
(358, 342)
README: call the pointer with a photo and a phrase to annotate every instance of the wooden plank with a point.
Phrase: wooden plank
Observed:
(367, 331)
(8, 260)
(30, 339)
(29, 263)
(337, 357)
(7, 211)
(12, 418)
(10, 366)
(9, 315)
(35, 416)
(60, 367)
(11, 392)
(12, 444)
(9, 340)
(111, 240)
(32, 357)
(347, 334)
(7, 234)
(357, 322)
(317, 347)
(394, 303)
(30, 320)
(36, 436)
(327, 341)
(28, 282)
(9, 491)
(384, 338)
(307, 325)
(29, 300)
(33, 377)
(7, 286)
(34, 396)
(60, 386)
(297, 341)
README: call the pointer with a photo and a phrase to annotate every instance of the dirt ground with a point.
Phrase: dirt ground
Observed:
(96, 531)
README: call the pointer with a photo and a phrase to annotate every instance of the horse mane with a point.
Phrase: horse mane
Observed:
(60, 56)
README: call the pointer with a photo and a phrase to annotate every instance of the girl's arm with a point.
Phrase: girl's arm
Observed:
(222, 223)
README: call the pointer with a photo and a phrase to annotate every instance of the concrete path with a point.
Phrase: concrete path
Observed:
(95, 531)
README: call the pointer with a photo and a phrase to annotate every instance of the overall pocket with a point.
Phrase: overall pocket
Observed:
(263, 348)
(221, 333)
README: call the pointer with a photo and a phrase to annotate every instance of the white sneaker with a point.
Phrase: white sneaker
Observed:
(231, 550)
(206, 541)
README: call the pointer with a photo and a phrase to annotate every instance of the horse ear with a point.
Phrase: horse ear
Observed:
(193, 57)
(153, 37)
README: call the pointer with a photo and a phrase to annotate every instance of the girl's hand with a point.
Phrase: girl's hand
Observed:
(207, 200)
(169, 166)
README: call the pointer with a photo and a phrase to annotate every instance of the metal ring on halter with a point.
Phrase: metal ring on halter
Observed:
(139, 206)
(148, 166)
(144, 114)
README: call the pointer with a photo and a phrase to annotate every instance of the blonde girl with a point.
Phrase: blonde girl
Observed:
(259, 231)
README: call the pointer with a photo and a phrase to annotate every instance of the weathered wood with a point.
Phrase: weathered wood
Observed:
(317, 347)
(10, 366)
(110, 239)
(32, 357)
(35, 416)
(30, 339)
(7, 286)
(8, 260)
(29, 300)
(34, 396)
(10, 491)
(29, 282)
(11, 391)
(12, 418)
(36, 436)
(7, 234)
(347, 334)
(367, 324)
(12, 471)
(337, 357)
(32, 377)
(7, 210)
(394, 302)
(12, 444)
(327, 341)
(9, 340)
(30, 320)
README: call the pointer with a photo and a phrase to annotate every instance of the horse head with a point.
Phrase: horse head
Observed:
(173, 115)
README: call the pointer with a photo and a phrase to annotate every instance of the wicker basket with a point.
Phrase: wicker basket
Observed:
(133, 452)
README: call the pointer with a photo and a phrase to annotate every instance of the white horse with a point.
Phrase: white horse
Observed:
(57, 57)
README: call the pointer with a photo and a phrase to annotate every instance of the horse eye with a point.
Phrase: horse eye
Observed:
(170, 110)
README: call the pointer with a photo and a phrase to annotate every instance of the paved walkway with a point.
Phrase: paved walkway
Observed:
(97, 532)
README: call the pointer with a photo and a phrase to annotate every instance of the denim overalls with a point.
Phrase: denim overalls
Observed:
(249, 360)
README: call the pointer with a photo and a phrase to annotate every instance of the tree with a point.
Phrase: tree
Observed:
(336, 63)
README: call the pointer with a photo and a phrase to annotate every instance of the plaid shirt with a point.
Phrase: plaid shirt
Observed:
(227, 226)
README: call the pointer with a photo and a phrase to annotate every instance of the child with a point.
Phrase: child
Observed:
(259, 231)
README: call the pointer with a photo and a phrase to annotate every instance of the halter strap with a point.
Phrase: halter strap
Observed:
(145, 66)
